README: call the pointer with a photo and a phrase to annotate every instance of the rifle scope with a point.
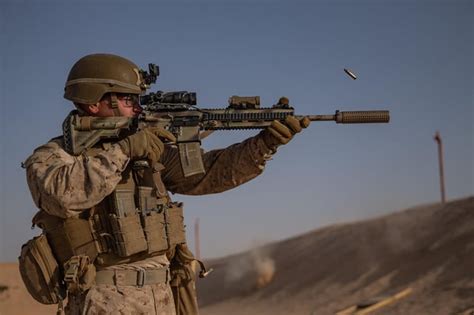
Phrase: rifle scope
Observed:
(176, 97)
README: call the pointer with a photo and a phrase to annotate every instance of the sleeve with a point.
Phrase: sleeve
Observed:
(225, 168)
(63, 185)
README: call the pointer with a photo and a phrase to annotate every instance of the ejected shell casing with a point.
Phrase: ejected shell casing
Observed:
(350, 73)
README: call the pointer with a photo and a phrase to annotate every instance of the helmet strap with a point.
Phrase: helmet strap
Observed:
(114, 104)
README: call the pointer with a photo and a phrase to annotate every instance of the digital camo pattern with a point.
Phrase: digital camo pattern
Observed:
(107, 299)
(63, 185)
(225, 168)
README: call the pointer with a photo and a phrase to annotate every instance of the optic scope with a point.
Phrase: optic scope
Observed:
(175, 97)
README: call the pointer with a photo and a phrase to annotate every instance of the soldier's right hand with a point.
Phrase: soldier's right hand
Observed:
(146, 144)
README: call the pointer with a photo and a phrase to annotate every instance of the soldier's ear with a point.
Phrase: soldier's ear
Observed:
(83, 108)
(93, 108)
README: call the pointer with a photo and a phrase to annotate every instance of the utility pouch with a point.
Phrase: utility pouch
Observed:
(69, 237)
(175, 224)
(80, 238)
(40, 271)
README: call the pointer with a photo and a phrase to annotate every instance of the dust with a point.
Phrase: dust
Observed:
(257, 264)
(265, 267)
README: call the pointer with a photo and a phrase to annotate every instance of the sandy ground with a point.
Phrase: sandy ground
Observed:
(14, 299)
(429, 249)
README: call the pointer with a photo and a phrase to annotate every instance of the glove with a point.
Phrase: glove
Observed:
(146, 144)
(281, 133)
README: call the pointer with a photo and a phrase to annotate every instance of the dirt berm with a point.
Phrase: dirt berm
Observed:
(429, 249)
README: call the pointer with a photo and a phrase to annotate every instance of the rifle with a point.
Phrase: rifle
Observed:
(178, 113)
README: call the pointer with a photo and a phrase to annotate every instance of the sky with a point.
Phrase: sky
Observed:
(414, 58)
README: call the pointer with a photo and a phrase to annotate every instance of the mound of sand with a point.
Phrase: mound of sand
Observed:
(428, 248)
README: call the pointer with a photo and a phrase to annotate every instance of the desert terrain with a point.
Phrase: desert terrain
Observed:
(426, 253)
(429, 249)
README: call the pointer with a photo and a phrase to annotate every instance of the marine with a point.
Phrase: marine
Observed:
(113, 239)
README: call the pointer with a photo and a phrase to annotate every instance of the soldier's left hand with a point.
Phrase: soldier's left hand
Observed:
(279, 133)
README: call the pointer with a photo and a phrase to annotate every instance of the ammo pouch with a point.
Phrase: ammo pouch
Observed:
(175, 228)
(153, 227)
(128, 234)
(153, 232)
(125, 223)
(40, 271)
(141, 220)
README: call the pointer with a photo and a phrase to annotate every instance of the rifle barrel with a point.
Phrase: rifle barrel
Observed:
(353, 117)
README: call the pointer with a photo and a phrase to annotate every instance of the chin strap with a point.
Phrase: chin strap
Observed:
(114, 104)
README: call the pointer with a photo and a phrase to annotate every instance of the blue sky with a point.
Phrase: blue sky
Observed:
(414, 58)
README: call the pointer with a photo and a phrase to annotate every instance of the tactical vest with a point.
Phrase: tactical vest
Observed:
(136, 221)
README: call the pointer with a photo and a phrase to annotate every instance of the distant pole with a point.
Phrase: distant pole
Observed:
(196, 239)
(437, 138)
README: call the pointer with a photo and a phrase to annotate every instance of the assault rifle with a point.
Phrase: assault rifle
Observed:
(177, 112)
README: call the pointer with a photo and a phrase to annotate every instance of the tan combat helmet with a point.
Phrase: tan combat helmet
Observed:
(94, 75)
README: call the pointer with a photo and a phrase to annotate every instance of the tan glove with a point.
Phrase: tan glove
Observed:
(281, 133)
(146, 144)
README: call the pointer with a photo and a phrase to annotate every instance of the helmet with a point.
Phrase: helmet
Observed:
(94, 75)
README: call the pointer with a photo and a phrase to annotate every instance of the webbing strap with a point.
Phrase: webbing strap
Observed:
(114, 104)
(137, 278)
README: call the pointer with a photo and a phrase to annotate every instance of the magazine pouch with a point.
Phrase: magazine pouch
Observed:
(125, 222)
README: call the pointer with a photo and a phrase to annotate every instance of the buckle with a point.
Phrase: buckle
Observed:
(141, 278)
(73, 268)
(140, 165)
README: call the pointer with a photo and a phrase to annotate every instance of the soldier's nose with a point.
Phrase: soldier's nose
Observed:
(137, 109)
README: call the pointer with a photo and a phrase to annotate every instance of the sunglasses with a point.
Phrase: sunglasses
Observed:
(129, 99)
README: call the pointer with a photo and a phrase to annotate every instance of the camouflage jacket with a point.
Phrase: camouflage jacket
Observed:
(63, 185)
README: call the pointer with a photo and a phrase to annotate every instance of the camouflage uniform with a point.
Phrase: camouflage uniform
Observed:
(63, 185)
